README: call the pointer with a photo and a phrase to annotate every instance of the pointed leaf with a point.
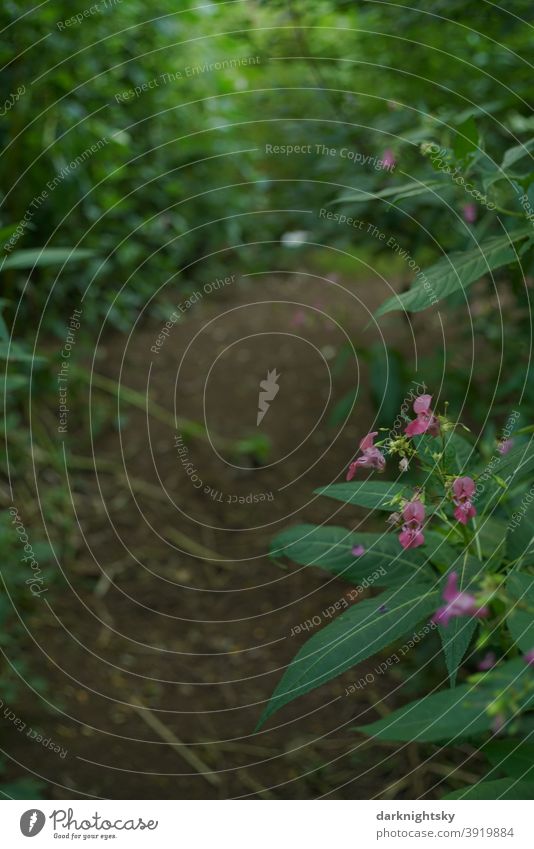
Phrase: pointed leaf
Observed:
(458, 713)
(376, 495)
(352, 637)
(454, 272)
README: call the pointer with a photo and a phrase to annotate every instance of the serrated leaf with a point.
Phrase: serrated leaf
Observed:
(517, 152)
(458, 713)
(404, 190)
(374, 494)
(330, 547)
(454, 272)
(352, 637)
(457, 635)
(455, 639)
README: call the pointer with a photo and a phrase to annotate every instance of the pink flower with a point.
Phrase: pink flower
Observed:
(463, 491)
(411, 537)
(505, 446)
(459, 604)
(413, 514)
(529, 657)
(372, 457)
(388, 158)
(358, 550)
(464, 512)
(463, 488)
(487, 662)
(426, 421)
(470, 213)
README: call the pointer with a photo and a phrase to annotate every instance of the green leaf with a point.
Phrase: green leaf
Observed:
(501, 788)
(376, 495)
(330, 547)
(455, 639)
(517, 152)
(459, 451)
(520, 539)
(466, 140)
(44, 256)
(514, 757)
(458, 713)
(520, 619)
(509, 468)
(355, 635)
(411, 189)
(457, 635)
(456, 271)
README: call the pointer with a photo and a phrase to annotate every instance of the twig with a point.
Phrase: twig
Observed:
(169, 737)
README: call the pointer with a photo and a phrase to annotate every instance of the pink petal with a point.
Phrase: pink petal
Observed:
(415, 428)
(358, 550)
(464, 488)
(451, 587)
(367, 441)
(414, 511)
(411, 537)
(422, 404)
(442, 616)
(352, 470)
(505, 446)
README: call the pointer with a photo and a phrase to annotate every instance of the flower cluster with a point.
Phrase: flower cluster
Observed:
(410, 520)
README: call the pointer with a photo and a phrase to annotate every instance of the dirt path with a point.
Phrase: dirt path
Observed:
(175, 605)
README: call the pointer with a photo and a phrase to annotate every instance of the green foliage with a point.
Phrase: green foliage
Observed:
(352, 637)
